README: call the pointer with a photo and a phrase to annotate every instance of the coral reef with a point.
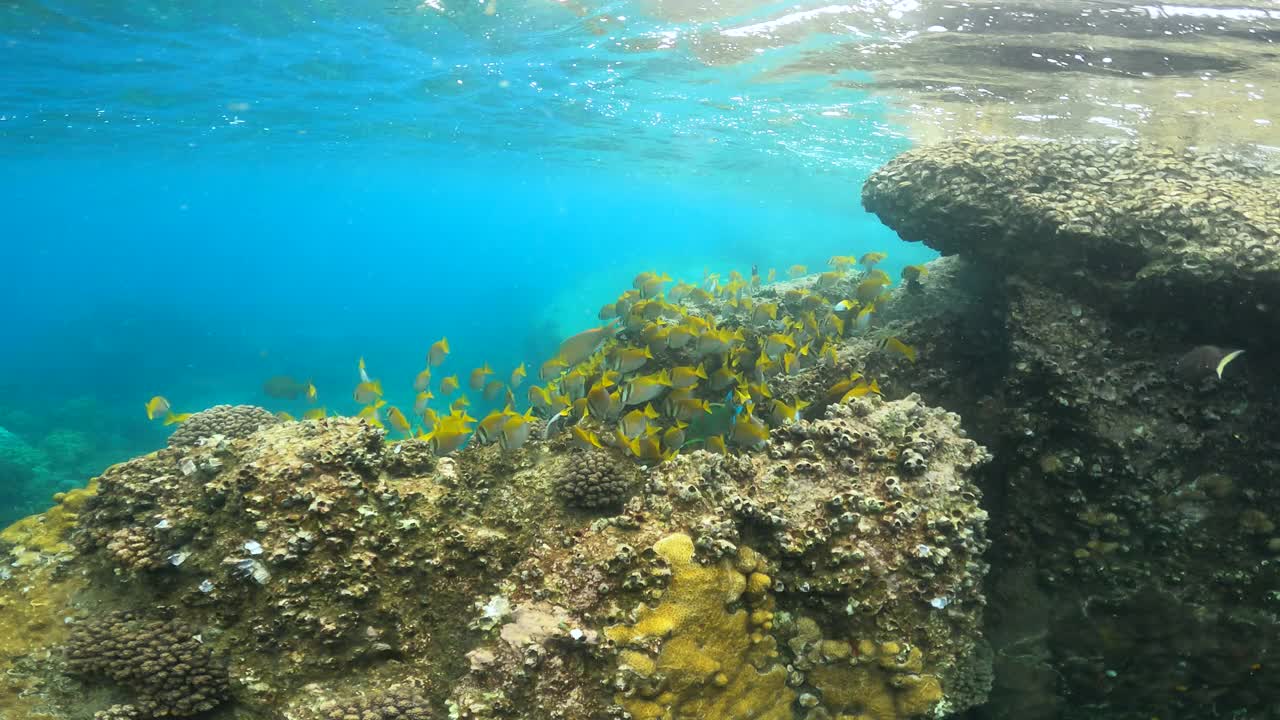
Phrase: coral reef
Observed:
(164, 664)
(1136, 570)
(399, 703)
(231, 421)
(596, 480)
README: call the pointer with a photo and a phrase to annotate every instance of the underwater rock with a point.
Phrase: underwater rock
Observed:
(330, 568)
(1131, 575)
(596, 480)
(230, 421)
(1188, 234)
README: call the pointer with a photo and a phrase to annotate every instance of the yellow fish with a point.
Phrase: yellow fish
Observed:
(517, 376)
(491, 426)
(157, 407)
(282, 415)
(311, 392)
(871, 259)
(422, 381)
(863, 321)
(438, 352)
(842, 261)
(420, 402)
(368, 392)
(364, 374)
(715, 443)
(314, 414)
(913, 273)
(539, 398)
(515, 431)
(584, 439)
(600, 403)
(679, 336)
(764, 312)
(777, 343)
(673, 438)
(723, 378)
(447, 437)
(478, 375)
(840, 388)
(492, 390)
(860, 389)
(370, 413)
(399, 421)
(646, 448)
(637, 421)
(460, 404)
(552, 368)
(574, 384)
(893, 344)
(448, 385)
(608, 312)
(688, 408)
(771, 276)
(869, 289)
(629, 359)
(796, 271)
(179, 418)
(749, 432)
(645, 388)
(785, 414)
(686, 376)
(829, 278)
(579, 347)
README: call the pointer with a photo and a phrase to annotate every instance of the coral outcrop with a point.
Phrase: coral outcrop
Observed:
(330, 563)
(596, 480)
(164, 664)
(229, 421)
(1138, 548)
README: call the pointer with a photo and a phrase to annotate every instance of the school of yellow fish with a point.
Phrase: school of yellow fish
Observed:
(674, 365)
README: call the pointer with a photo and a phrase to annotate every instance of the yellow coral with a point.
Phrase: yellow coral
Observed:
(713, 664)
(885, 684)
(48, 531)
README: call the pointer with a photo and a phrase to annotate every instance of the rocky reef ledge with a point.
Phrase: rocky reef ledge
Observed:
(316, 570)
(1135, 558)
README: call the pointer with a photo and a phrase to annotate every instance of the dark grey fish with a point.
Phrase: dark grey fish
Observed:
(1205, 360)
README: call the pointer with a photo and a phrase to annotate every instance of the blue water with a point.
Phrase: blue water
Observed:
(197, 199)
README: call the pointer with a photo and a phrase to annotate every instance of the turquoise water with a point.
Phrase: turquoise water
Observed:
(198, 198)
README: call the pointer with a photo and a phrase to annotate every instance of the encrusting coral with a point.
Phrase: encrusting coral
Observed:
(595, 480)
(229, 421)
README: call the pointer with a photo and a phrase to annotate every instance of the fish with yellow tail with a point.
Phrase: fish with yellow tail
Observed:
(364, 374)
(645, 388)
(515, 431)
(460, 404)
(492, 390)
(1205, 361)
(282, 415)
(842, 262)
(629, 359)
(314, 414)
(312, 394)
(860, 389)
(539, 398)
(450, 434)
(871, 259)
(715, 444)
(584, 439)
(868, 290)
(421, 400)
(448, 385)
(398, 421)
(552, 368)
(490, 426)
(478, 376)
(177, 418)
(748, 431)
(913, 273)
(438, 351)
(157, 407)
(863, 320)
(673, 437)
(600, 402)
(893, 344)
(369, 413)
(647, 448)
(636, 422)
(580, 347)
(368, 392)
(796, 271)
(784, 414)
(517, 377)
(686, 376)
(422, 381)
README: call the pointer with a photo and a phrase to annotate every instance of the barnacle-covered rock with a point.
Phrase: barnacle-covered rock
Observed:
(230, 421)
(397, 703)
(1188, 232)
(120, 712)
(595, 480)
(164, 663)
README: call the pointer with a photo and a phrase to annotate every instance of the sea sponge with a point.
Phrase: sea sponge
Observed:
(232, 421)
(397, 703)
(48, 532)
(171, 672)
(594, 480)
(713, 663)
(881, 682)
